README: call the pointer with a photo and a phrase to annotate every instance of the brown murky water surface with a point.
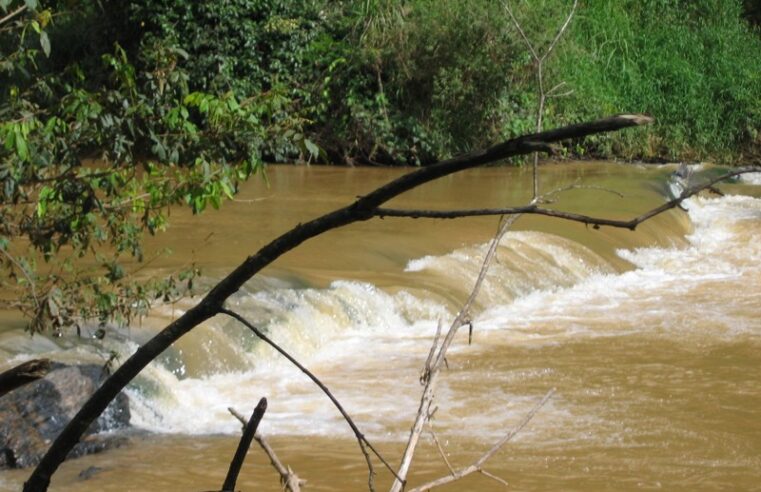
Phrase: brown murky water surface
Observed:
(652, 340)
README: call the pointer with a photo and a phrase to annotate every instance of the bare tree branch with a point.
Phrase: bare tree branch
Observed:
(478, 465)
(438, 446)
(517, 25)
(494, 477)
(12, 14)
(434, 370)
(243, 445)
(561, 30)
(434, 346)
(596, 222)
(361, 439)
(362, 209)
(288, 478)
(539, 60)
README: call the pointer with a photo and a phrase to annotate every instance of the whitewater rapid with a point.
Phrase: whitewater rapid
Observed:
(369, 344)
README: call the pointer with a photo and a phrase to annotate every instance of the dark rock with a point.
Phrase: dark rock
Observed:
(32, 416)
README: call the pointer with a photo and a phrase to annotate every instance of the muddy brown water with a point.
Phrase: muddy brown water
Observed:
(650, 338)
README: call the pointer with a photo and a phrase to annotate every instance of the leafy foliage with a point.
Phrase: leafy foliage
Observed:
(93, 155)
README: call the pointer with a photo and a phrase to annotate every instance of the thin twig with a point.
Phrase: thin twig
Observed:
(434, 345)
(243, 445)
(562, 94)
(550, 197)
(561, 30)
(439, 447)
(361, 439)
(478, 465)
(494, 477)
(539, 60)
(521, 32)
(12, 14)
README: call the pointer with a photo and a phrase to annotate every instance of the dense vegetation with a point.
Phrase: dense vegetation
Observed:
(110, 111)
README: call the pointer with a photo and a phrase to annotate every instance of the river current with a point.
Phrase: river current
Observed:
(651, 339)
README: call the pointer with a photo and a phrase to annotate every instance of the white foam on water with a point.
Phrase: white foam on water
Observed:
(751, 178)
(351, 328)
(679, 291)
(526, 261)
(368, 345)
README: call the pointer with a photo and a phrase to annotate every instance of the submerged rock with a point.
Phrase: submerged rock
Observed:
(32, 416)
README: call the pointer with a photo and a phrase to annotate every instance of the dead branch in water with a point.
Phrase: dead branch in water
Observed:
(433, 367)
(288, 478)
(478, 465)
(243, 445)
(362, 209)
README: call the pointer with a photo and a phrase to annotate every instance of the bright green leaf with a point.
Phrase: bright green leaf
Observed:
(22, 151)
(45, 43)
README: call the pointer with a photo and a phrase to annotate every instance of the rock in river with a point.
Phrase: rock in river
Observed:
(32, 416)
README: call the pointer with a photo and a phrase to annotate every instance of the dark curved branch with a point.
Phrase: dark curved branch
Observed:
(596, 222)
(517, 146)
(22, 374)
(362, 209)
(361, 439)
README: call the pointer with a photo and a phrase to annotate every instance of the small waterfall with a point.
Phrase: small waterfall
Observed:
(368, 344)
(367, 340)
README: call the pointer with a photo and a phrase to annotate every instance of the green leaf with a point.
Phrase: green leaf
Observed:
(45, 43)
(21, 148)
(4, 4)
(313, 149)
(10, 140)
(227, 189)
(31, 4)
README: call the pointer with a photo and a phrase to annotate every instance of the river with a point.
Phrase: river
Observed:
(652, 339)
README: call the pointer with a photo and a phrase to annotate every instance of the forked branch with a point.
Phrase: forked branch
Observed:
(243, 445)
(479, 464)
(433, 368)
(539, 60)
(288, 479)
(595, 222)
